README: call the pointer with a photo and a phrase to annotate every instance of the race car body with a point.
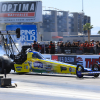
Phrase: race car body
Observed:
(33, 61)
(36, 63)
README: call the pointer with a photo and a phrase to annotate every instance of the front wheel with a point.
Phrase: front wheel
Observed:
(79, 71)
(95, 67)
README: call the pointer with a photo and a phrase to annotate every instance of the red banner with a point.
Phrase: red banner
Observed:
(26, 14)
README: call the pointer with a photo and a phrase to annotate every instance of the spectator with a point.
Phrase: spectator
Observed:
(91, 46)
(85, 47)
(69, 44)
(51, 48)
(62, 47)
(47, 48)
(66, 45)
(35, 46)
(94, 49)
(99, 47)
(97, 50)
(81, 47)
(58, 48)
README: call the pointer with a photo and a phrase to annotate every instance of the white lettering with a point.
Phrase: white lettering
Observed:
(32, 7)
(15, 6)
(23, 38)
(26, 32)
(32, 37)
(4, 7)
(25, 7)
(28, 38)
(22, 31)
(19, 7)
(9, 7)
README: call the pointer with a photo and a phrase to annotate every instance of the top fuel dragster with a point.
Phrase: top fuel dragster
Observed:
(29, 60)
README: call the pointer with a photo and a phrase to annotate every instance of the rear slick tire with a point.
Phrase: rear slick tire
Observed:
(5, 64)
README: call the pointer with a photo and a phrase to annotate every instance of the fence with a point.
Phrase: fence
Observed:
(71, 50)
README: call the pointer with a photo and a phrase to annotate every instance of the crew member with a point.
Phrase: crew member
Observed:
(52, 48)
(35, 46)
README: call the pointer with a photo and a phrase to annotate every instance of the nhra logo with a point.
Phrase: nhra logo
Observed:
(79, 59)
(38, 64)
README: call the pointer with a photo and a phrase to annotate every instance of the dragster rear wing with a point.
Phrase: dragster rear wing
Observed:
(10, 32)
(10, 50)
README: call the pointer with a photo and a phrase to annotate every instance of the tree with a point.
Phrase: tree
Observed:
(88, 27)
(99, 32)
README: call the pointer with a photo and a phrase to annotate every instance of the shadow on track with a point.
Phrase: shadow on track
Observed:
(56, 75)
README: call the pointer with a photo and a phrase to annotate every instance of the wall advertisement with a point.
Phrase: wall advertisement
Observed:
(65, 59)
(20, 11)
(86, 60)
(28, 33)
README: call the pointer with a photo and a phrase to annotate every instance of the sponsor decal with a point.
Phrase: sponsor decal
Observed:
(79, 59)
(63, 68)
(48, 67)
(18, 67)
(73, 69)
(38, 64)
(54, 57)
(70, 69)
(26, 67)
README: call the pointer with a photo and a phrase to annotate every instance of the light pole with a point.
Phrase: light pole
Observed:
(82, 5)
(83, 22)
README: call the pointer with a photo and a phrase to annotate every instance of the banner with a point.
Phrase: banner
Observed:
(28, 33)
(86, 60)
(65, 59)
(20, 11)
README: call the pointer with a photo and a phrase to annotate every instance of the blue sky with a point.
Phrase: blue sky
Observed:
(91, 8)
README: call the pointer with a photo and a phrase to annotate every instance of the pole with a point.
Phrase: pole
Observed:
(82, 5)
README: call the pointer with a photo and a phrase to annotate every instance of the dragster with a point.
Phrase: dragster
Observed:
(28, 60)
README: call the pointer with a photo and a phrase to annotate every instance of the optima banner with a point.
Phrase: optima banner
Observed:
(21, 11)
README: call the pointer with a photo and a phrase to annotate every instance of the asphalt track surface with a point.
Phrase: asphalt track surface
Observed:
(33, 86)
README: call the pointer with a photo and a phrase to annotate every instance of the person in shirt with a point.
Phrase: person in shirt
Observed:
(85, 47)
(51, 48)
(91, 46)
(35, 46)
